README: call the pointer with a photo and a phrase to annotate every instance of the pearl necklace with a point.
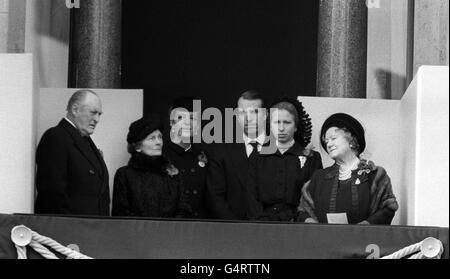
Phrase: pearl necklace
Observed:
(345, 174)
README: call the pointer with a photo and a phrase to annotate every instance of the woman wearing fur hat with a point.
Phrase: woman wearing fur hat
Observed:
(149, 186)
(276, 178)
(353, 190)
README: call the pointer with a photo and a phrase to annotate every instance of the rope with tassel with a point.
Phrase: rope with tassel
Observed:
(429, 248)
(23, 236)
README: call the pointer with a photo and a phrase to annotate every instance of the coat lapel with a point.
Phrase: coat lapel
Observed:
(103, 168)
(83, 146)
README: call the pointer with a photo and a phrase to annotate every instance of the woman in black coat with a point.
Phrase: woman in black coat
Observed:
(149, 186)
(276, 179)
(353, 190)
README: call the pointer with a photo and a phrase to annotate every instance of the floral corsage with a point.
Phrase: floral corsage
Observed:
(202, 159)
(307, 152)
(302, 160)
(172, 170)
(365, 166)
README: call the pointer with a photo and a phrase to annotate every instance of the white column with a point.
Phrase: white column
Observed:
(4, 10)
(47, 28)
(431, 32)
(387, 49)
(16, 29)
(425, 151)
(432, 190)
(17, 138)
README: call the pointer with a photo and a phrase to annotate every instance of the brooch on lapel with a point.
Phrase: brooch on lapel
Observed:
(307, 152)
(172, 170)
(365, 166)
(302, 160)
(202, 159)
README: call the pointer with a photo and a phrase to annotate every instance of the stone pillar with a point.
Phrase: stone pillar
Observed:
(342, 49)
(431, 31)
(95, 48)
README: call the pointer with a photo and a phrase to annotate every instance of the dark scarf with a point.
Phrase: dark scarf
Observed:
(143, 162)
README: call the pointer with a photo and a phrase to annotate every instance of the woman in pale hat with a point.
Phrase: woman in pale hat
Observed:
(353, 190)
(276, 178)
(149, 186)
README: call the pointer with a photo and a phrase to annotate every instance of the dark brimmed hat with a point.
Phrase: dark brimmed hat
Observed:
(141, 128)
(342, 120)
(304, 126)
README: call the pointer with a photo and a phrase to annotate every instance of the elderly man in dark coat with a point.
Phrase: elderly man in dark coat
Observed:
(72, 178)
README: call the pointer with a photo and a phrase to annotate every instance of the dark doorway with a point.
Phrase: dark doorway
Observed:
(217, 49)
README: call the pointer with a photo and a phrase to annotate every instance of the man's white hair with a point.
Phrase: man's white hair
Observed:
(77, 97)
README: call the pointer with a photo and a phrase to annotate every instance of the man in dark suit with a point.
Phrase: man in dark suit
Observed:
(72, 178)
(229, 164)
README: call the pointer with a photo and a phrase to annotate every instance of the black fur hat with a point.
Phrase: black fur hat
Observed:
(141, 128)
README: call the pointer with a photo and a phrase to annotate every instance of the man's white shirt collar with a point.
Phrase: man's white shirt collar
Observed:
(260, 140)
(71, 123)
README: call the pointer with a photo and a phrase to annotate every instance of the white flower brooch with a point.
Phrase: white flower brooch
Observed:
(302, 160)
(202, 159)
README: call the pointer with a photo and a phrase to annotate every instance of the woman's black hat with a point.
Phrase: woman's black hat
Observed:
(343, 120)
(141, 128)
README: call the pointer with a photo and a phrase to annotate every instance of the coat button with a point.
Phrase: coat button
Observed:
(91, 172)
(195, 192)
(192, 170)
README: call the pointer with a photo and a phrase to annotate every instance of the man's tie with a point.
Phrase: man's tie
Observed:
(254, 151)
